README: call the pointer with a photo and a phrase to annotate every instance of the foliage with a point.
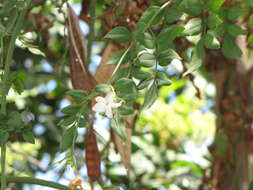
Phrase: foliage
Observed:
(51, 52)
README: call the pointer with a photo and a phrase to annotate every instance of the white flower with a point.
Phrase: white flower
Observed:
(105, 104)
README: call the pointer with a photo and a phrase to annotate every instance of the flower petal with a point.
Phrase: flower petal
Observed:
(108, 112)
(110, 97)
(99, 107)
(115, 105)
(100, 99)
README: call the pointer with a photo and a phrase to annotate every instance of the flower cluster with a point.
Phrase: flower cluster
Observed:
(106, 104)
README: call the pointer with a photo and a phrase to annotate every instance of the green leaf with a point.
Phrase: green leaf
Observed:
(15, 120)
(138, 73)
(145, 83)
(193, 27)
(235, 30)
(4, 135)
(21, 4)
(121, 73)
(82, 123)
(17, 79)
(71, 109)
(102, 88)
(166, 56)
(18, 85)
(173, 14)
(67, 121)
(78, 95)
(120, 34)
(146, 60)
(213, 20)
(230, 49)
(220, 30)
(150, 96)
(141, 27)
(125, 110)
(146, 40)
(151, 16)
(125, 87)
(118, 126)
(234, 13)
(28, 137)
(214, 5)
(167, 35)
(36, 51)
(6, 8)
(115, 58)
(162, 79)
(191, 7)
(197, 59)
(210, 41)
(68, 138)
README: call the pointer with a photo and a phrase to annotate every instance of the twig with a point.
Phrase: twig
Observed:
(29, 158)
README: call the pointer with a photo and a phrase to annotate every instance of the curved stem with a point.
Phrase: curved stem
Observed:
(30, 180)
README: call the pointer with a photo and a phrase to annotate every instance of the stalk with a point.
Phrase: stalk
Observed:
(6, 86)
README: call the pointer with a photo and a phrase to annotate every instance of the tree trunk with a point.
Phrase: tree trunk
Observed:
(230, 152)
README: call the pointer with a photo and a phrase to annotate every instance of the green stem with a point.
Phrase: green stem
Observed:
(122, 58)
(5, 86)
(3, 160)
(9, 57)
(30, 180)
(92, 30)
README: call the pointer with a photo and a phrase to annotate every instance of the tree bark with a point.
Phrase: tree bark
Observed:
(230, 152)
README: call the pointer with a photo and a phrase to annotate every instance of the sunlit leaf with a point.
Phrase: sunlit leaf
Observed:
(193, 27)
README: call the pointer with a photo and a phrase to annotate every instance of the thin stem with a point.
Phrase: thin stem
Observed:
(3, 163)
(92, 30)
(6, 86)
(122, 58)
(30, 180)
